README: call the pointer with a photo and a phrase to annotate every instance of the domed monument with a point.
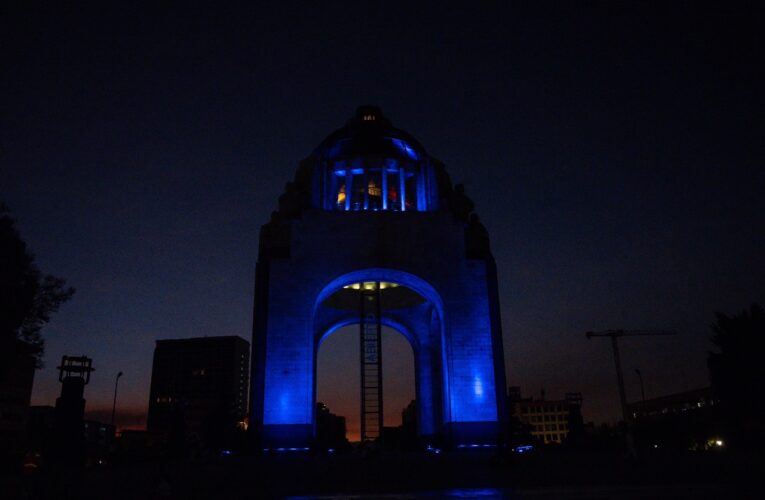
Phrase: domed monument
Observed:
(372, 233)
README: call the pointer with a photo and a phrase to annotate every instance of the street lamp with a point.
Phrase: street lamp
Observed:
(114, 405)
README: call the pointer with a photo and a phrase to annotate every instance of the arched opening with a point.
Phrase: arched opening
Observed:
(338, 387)
(411, 342)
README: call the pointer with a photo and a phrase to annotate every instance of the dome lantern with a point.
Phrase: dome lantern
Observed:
(368, 165)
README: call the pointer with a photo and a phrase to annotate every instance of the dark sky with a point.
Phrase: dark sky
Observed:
(614, 152)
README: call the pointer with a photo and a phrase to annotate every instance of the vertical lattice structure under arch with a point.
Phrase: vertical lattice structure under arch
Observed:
(370, 336)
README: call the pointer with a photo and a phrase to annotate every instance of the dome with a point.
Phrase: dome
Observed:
(368, 165)
(369, 134)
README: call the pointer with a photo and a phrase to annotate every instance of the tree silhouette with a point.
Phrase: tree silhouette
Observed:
(737, 374)
(27, 296)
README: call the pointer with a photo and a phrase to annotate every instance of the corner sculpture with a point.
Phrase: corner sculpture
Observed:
(371, 232)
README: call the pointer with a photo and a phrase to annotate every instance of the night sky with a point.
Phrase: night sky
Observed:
(614, 152)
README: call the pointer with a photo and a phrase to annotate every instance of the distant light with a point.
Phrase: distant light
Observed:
(719, 442)
(523, 449)
(656, 446)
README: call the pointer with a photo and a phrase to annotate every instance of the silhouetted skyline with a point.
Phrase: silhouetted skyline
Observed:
(613, 152)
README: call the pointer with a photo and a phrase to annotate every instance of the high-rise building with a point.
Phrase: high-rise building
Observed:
(198, 384)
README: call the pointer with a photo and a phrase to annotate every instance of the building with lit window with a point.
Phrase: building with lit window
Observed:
(198, 384)
(371, 232)
(549, 421)
(684, 420)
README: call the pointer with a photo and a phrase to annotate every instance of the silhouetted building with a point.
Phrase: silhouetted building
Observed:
(689, 419)
(17, 371)
(330, 429)
(409, 425)
(198, 387)
(672, 404)
(69, 438)
(403, 437)
(41, 425)
(98, 433)
(409, 415)
(550, 421)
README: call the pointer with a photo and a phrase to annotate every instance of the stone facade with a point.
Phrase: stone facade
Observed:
(369, 205)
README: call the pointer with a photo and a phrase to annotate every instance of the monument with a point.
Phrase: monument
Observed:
(371, 232)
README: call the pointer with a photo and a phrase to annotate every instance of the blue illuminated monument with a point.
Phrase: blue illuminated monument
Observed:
(371, 214)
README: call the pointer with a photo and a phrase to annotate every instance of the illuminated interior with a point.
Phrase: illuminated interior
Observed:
(381, 185)
(371, 285)
(393, 296)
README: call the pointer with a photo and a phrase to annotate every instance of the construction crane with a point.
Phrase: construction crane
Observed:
(615, 334)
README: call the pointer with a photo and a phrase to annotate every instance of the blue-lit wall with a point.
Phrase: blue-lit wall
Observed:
(456, 341)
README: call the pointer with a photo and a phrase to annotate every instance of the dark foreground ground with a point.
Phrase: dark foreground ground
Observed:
(549, 474)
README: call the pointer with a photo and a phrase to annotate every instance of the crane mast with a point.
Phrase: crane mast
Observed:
(615, 334)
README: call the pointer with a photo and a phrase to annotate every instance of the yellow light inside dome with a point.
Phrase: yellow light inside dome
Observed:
(371, 285)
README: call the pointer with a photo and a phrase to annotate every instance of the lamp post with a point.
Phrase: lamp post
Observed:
(114, 405)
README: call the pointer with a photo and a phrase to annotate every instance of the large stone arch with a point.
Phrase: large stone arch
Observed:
(404, 223)
(416, 325)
